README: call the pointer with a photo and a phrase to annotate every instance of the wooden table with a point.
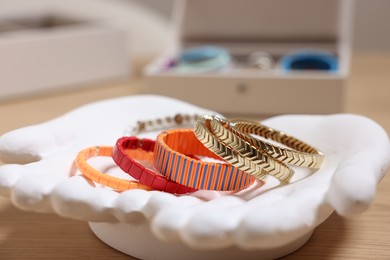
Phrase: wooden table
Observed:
(26, 235)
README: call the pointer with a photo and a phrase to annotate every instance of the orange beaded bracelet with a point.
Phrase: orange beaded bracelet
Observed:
(170, 159)
(99, 177)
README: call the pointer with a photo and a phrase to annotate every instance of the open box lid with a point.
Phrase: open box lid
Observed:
(275, 26)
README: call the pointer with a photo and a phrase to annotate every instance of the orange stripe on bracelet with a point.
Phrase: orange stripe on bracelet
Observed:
(102, 178)
(170, 158)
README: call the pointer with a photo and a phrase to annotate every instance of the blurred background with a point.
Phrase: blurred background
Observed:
(370, 22)
(47, 45)
(58, 55)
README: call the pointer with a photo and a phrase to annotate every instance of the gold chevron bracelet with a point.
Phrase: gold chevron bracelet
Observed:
(233, 138)
(243, 156)
(301, 153)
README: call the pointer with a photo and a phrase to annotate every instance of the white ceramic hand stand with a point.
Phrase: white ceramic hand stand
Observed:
(260, 222)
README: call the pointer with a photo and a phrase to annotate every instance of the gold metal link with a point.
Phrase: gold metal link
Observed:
(233, 138)
(177, 120)
(301, 153)
(238, 152)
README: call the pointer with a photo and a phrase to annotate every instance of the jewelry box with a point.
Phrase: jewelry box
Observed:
(244, 27)
(46, 46)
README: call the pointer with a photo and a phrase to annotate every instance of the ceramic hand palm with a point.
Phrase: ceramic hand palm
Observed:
(40, 157)
(356, 149)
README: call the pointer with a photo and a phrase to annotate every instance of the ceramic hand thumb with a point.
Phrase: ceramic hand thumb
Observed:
(32, 143)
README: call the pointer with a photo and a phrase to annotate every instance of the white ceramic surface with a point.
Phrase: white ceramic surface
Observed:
(40, 177)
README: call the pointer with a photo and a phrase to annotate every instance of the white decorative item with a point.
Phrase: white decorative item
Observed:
(261, 221)
(47, 44)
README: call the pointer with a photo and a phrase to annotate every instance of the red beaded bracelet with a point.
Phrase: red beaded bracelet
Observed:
(171, 160)
(129, 148)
